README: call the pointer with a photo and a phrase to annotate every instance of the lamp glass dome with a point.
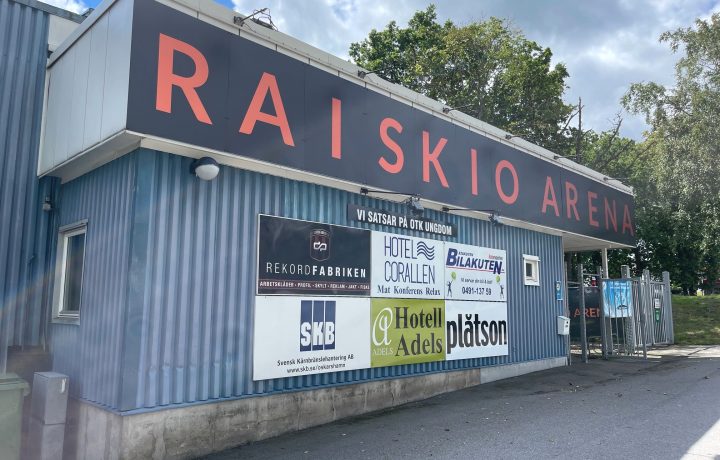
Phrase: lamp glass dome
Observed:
(206, 168)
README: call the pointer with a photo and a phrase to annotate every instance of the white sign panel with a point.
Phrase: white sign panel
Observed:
(310, 335)
(474, 273)
(475, 329)
(406, 267)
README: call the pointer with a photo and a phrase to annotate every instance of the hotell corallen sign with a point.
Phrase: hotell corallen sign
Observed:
(195, 83)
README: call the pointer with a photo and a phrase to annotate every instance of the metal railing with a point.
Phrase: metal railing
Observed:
(633, 313)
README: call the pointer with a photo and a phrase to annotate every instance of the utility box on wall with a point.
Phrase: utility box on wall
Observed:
(563, 325)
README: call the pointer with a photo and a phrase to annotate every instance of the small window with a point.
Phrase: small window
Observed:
(69, 272)
(531, 266)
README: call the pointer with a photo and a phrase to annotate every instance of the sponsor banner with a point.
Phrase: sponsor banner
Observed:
(558, 290)
(476, 329)
(406, 267)
(405, 331)
(391, 219)
(310, 335)
(300, 257)
(617, 298)
(474, 273)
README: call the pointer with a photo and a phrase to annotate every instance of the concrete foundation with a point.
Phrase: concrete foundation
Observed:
(191, 431)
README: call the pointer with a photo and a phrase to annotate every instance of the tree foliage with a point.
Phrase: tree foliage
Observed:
(486, 69)
(681, 208)
(492, 72)
(621, 159)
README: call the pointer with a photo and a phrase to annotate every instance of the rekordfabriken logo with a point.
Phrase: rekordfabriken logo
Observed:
(299, 257)
(317, 325)
(320, 245)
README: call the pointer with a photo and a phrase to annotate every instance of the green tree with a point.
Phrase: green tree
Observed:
(684, 125)
(485, 69)
(621, 159)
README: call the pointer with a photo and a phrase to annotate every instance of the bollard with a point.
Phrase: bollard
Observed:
(48, 409)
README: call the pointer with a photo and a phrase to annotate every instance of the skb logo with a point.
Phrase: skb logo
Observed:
(317, 325)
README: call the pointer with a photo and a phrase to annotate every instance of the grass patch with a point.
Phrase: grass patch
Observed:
(697, 319)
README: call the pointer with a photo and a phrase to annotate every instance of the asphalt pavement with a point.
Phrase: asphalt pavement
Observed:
(667, 407)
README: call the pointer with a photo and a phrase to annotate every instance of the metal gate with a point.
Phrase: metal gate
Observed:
(622, 321)
(634, 314)
(658, 311)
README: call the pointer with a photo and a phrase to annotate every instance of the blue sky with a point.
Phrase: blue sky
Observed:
(606, 45)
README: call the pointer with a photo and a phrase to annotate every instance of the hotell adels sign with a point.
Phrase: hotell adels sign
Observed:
(195, 83)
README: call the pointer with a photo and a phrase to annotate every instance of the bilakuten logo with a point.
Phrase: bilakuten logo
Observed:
(317, 325)
(461, 259)
(407, 331)
(472, 331)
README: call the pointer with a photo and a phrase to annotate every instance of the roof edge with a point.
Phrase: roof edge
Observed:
(54, 10)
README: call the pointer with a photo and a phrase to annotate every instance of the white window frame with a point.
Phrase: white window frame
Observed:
(534, 261)
(64, 235)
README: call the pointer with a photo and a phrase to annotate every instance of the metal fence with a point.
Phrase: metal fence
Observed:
(658, 311)
(622, 317)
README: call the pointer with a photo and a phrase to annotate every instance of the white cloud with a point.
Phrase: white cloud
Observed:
(330, 25)
(76, 6)
(606, 45)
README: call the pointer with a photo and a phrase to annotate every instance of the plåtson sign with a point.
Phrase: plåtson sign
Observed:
(198, 84)
(476, 329)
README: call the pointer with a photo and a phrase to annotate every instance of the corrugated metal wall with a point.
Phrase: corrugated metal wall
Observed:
(90, 352)
(170, 266)
(196, 342)
(23, 52)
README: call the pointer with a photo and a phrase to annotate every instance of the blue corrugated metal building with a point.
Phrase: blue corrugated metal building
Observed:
(190, 246)
(140, 279)
(29, 30)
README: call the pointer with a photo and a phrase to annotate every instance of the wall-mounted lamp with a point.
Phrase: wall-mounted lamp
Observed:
(447, 110)
(205, 168)
(362, 73)
(619, 179)
(264, 12)
(47, 204)
(365, 73)
(412, 201)
(494, 217)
